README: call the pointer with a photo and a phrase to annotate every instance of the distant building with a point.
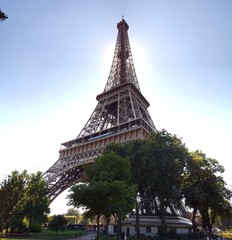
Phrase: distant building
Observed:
(71, 219)
(151, 225)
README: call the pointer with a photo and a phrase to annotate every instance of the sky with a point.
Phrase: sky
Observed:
(56, 57)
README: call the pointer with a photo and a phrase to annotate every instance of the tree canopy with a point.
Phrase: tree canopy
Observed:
(108, 189)
(22, 196)
(12, 198)
(37, 204)
(205, 190)
(57, 223)
(3, 16)
(167, 174)
(157, 167)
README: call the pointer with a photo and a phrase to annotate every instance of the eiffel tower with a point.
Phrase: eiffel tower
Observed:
(121, 115)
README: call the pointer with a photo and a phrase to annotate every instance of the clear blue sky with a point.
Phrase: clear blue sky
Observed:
(56, 56)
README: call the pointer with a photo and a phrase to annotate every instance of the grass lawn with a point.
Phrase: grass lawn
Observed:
(50, 235)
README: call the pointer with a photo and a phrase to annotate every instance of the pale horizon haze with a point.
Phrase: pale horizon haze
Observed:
(56, 57)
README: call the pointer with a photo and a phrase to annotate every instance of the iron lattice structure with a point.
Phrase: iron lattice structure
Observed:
(120, 115)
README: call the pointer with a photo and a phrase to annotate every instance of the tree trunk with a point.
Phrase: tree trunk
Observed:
(98, 226)
(137, 226)
(29, 224)
(163, 219)
(7, 226)
(107, 227)
(119, 226)
(209, 226)
(194, 219)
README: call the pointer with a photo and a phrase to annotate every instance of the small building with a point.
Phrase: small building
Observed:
(82, 227)
(151, 225)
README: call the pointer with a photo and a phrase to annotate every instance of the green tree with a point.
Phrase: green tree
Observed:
(158, 166)
(22, 195)
(37, 204)
(3, 16)
(57, 223)
(205, 190)
(134, 151)
(12, 198)
(108, 189)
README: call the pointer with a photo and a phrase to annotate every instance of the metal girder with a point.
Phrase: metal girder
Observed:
(121, 115)
(122, 69)
(124, 103)
(66, 171)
